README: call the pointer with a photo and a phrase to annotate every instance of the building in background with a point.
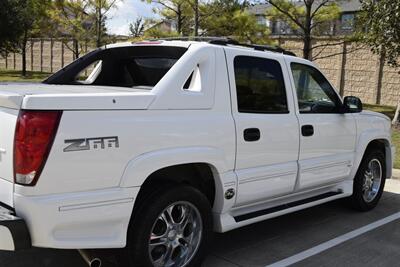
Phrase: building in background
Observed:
(343, 26)
(166, 26)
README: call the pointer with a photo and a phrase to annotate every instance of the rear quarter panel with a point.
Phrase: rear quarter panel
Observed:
(8, 118)
(139, 132)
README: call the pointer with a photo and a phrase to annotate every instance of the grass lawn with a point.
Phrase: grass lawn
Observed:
(15, 76)
(396, 142)
(387, 110)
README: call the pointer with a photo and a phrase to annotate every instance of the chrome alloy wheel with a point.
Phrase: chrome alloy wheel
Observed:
(372, 180)
(175, 235)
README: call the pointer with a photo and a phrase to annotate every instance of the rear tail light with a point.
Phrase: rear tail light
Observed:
(34, 136)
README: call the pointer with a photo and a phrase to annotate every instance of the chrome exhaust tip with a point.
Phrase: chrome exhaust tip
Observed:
(90, 258)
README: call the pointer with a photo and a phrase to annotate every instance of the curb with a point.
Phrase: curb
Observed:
(396, 174)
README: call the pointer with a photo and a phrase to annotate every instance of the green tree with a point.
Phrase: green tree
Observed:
(99, 10)
(304, 17)
(72, 21)
(381, 22)
(230, 18)
(157, 29)
(35, 22)
(11, 28)
(178, 11)
(136, 28)
(195, 6)
(156, 32)
(196, 10)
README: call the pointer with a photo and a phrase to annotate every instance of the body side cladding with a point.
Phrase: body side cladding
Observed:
(141, 168)
(101, 215)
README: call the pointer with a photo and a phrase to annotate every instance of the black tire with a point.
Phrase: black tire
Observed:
(136, 253)
(357, 200)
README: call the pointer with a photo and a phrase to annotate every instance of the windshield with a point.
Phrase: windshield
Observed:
(134, 66)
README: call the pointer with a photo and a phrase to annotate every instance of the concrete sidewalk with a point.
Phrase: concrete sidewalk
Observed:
(396, 173)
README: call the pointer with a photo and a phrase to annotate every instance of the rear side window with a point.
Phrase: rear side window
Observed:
(134, 67)
(260, 87)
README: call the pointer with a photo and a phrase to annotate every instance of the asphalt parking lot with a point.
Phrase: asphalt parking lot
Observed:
(317, 236)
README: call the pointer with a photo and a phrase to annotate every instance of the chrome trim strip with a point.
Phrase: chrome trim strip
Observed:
(266, 177)
(228, 184)
(96, 204)
(328, 165)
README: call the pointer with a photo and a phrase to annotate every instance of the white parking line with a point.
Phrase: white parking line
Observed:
(334, 242)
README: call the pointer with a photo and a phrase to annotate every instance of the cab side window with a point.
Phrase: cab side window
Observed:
(260, 87)
(314, 93)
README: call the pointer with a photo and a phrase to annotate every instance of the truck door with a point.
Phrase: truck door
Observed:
(267, 130)
(328, 137)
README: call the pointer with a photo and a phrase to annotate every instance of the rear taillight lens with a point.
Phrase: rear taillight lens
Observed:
(34, 136)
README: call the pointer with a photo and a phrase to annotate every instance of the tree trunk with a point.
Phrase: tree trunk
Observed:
(395, 120)
(98, 24)
(76, 49)
(307, 48)
(381, 65)
(179, 20)
(196, 18)
(24, 43)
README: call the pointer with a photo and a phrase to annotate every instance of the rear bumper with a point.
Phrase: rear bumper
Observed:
(7, 192)
(83, 220)
(14, 234)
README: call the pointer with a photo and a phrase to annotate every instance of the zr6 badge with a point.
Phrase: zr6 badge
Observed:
(91, 143)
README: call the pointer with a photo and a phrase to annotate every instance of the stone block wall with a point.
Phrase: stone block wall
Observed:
(45, 55)
(356, 72)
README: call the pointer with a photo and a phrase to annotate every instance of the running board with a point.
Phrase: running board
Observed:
(259, 213)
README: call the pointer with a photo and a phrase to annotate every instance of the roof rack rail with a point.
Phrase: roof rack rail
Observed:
(193, 38)
(228, 41)
(254, 46)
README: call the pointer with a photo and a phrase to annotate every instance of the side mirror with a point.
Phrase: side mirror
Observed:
(352, 104)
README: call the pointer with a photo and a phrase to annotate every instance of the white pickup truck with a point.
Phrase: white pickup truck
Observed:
(152, 146)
